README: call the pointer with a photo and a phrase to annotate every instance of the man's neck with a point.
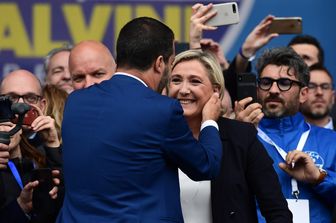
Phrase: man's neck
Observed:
(145, 76)
(15, 153)
(319, 122)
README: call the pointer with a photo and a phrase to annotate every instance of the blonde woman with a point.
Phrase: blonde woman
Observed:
(55, 100)
(246, 174)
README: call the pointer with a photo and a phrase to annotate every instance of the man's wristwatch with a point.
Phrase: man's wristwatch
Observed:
(323, 174)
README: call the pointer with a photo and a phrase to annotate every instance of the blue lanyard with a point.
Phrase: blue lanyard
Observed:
(15, 173)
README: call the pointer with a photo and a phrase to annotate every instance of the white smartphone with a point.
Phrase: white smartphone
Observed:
(227, 14)
(286, 25)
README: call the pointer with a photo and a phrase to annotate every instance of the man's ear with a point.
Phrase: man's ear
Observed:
(43, 104)
(159, 64)
(303, 94)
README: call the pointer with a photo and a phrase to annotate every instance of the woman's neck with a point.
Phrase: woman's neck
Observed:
(195, 126)
(15, 152)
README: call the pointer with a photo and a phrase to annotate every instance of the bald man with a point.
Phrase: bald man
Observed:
(90, 62)
(23, 86)
(16, 202)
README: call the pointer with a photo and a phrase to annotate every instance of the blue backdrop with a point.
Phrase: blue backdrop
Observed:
(29, 29)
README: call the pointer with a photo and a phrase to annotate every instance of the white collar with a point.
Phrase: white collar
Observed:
(132, 76)
(329, 125)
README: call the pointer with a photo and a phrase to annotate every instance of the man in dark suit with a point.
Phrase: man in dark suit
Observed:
(123, 142)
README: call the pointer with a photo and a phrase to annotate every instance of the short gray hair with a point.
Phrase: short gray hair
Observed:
(66, 47)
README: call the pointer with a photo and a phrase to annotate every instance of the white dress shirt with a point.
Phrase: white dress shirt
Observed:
(195, 200)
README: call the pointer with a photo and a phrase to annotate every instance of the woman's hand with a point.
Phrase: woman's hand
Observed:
(197, 23)
(45, 126)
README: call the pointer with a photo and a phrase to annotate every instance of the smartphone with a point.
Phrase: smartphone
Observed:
(227, 14)
(286, 25)
(42, 201)
(44, 176)
(247, 86)
(29, 117)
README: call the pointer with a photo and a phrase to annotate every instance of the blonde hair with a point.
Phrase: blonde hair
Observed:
(209, 62)
(55, 100)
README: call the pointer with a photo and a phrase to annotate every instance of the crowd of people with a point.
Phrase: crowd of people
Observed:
(156, 137)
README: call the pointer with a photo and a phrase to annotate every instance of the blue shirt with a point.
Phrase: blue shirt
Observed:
(321, 146)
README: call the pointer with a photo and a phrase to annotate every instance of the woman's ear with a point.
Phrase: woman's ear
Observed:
(216, 88)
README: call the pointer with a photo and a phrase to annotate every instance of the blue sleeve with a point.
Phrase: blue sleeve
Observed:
(327, 188)
(201, 159)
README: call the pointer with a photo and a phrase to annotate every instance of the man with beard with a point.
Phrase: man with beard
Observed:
(321, 97)
(124, 142)
(304, 155)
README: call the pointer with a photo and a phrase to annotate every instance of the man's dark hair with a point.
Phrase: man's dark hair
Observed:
(307, 39)
(320, 67)
(141, 41)
(285, 56)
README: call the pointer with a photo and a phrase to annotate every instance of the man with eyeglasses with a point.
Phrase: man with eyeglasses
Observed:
(321, 97)
(304, 155)
(23, 86)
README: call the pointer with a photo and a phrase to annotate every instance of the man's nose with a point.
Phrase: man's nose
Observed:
(319, 90)
(20, 100)
(66, 75)
(88, 82)
(274, 88)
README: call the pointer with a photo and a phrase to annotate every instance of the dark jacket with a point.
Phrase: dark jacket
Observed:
(10, 210)
(230, 77)
(247, 176)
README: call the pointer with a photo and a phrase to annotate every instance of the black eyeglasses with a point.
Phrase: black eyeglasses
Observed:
(284, 84)
(27, 98)
(324, 86)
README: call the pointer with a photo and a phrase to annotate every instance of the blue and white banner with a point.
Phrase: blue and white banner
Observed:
(30, 29)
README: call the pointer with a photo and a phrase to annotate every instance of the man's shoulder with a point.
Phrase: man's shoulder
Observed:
(324, 132)
(165, 104)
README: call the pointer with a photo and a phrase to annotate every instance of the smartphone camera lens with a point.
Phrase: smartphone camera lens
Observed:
(234, 8)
